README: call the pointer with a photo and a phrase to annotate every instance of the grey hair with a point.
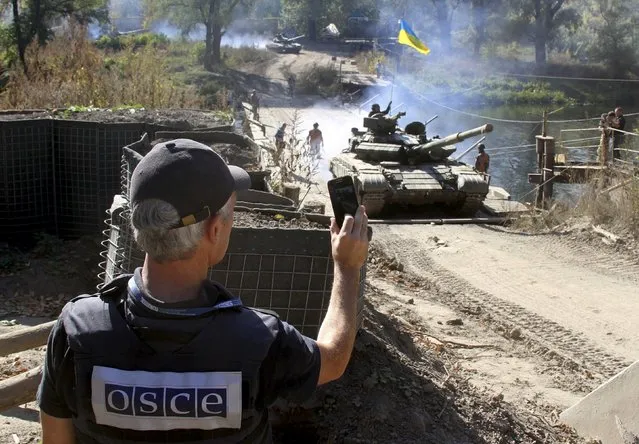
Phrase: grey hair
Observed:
(151, 221)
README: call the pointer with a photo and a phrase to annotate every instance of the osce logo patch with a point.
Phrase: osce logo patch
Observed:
(141, 400)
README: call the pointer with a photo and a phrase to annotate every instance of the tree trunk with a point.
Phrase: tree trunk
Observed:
(445, 26)
(210, 24)
(20, 41)
(208, 48)
(38, 28)
(540, 35)
(479, 19)
(217, 44)
(540, 47)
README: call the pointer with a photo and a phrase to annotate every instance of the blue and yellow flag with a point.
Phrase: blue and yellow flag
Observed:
(407, 37)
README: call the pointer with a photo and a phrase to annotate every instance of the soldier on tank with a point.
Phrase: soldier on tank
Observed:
(376, 110)
(167, 355)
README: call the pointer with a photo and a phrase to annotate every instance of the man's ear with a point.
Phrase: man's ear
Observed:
(213, 228)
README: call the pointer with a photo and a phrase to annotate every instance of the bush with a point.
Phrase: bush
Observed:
(135, 41)
(70, 70)
(323, 80)
(239, 57)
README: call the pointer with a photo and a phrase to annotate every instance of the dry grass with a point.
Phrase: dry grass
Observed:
(70, 70)
(618, 209)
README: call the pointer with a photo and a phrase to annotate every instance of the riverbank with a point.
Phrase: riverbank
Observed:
(498, 81)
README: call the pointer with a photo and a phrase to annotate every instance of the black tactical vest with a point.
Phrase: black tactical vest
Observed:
(203, 392)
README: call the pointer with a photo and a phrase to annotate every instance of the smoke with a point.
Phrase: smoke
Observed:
(94, 30)
(335, 121)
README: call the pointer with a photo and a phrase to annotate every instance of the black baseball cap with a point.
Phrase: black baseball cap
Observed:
(188, 175)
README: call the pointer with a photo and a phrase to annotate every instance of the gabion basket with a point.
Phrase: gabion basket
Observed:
(289, 271)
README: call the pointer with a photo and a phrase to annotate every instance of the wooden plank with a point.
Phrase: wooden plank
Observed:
(25, 338)
(548, 169)
(19, 389)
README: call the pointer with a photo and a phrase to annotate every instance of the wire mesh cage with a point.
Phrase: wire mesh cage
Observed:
(26, 173)
(289, 271)
(60, 175)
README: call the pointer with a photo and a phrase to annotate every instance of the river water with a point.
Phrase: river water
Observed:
(511, 143)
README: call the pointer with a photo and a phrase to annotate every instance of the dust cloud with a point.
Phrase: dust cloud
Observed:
(335, 121)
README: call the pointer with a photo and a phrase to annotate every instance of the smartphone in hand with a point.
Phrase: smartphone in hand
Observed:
(343, 197)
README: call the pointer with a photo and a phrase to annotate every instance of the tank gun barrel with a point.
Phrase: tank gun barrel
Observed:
(457, 137)
(435, 149)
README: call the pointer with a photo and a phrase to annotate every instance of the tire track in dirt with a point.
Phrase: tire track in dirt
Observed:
(457, 291)
(564, 248)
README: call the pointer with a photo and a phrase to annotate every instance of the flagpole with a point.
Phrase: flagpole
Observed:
(392, 86)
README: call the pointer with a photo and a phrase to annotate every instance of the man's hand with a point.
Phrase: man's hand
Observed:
(350, 243)
(337, 333)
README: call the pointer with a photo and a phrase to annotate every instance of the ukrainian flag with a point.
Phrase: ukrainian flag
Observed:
(407, 37)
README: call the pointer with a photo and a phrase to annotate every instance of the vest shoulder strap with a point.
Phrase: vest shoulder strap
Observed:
(265, 311)
(87, 316)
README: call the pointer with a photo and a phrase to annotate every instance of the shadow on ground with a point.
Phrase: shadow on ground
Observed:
(392, 392)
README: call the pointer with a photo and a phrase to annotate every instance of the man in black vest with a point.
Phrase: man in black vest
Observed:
(166, 355)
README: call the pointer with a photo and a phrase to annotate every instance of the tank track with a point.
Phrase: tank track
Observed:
(374, 204)
(472, 204)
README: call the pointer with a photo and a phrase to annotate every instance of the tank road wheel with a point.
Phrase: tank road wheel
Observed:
(470, 206)
(373, 202)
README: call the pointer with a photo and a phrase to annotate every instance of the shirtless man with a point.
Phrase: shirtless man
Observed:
(482, 161)
(315, 139)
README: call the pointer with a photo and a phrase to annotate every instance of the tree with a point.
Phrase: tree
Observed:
(32, 19)
(482, 10)
(215, 15)
(613, 42)
(546, 18)
(444, 10)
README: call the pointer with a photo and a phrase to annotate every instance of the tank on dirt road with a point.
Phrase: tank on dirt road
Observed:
(391, 165)
(285, 45)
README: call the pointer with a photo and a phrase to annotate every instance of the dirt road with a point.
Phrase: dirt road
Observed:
(579, 301)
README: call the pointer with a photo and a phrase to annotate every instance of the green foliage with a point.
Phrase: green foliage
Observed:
(244, 55)
(297, 12)
(317, 79)
(613, 43)
(120, 42)
(8, 52)
(215, 15)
